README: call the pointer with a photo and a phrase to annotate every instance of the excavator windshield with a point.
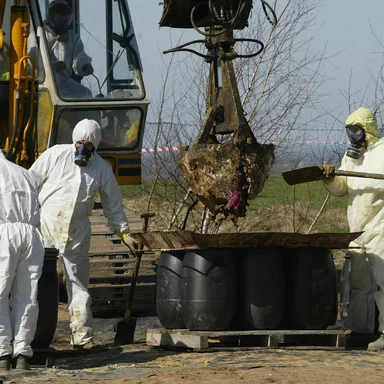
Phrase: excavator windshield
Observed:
(92, 48)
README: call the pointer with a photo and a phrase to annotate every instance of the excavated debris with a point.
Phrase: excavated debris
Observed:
(225, 176)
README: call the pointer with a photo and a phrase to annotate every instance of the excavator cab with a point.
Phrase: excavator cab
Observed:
(66, 60)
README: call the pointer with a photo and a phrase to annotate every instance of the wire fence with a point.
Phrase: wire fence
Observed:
(162, 142)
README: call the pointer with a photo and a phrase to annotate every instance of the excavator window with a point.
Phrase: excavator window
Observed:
(120, 128)
(104, 39)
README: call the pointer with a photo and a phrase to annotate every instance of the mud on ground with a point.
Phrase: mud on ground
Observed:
(137, 363)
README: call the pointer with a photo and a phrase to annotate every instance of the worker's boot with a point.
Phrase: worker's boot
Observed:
(5, 363)
(22, 362)
(377, 345)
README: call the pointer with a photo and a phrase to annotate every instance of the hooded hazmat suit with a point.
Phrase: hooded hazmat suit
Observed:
(21, 259)
(365, 213)
(71, 53)
(66, 197)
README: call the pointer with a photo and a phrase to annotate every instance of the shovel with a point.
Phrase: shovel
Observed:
(125, 328)
(315, 173)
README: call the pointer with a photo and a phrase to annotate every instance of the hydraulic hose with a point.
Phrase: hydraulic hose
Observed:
(15, 126)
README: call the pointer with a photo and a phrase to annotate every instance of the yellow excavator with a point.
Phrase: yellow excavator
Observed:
(39, 106)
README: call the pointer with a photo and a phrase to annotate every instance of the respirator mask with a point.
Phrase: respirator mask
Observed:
(83, 154)
(357, 138)
(61, 29)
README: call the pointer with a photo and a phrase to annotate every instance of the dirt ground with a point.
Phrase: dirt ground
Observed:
(137, 363)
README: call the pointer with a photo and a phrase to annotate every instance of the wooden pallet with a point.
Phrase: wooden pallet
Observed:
(201, 340)
(111, 266)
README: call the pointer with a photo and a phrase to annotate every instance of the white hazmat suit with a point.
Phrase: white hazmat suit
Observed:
(68, 51)
(66, 197)
(21, 259)
(365, 213)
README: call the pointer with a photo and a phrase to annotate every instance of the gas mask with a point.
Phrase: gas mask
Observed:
(82, 155)
(61, 31)
(357, 138)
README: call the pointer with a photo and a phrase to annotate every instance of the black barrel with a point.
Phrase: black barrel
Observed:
(262, 289)
(48, 299)
(168, 289)
(238, 321)
(208, 289)
(345, 291)
(311, 288)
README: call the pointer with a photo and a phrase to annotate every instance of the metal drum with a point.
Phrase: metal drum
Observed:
(208, 289)
(345, 291)
(262, 288)
(168, 289)
(48, 299)
(311, 288)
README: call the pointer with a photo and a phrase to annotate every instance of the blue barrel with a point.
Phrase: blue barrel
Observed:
(208, 284)
(262, 289)
(48, 299)
(311, 288)
(168, 289)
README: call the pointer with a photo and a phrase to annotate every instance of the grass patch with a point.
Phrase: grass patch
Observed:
(277, 191)
(278, 208)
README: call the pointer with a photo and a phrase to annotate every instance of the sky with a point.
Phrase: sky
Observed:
(345, 27)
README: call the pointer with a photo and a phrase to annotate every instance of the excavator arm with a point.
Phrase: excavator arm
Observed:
(19, 71)
(223, 173)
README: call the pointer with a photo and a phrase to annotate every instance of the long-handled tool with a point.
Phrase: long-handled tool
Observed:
(125, 328)
(315, 173)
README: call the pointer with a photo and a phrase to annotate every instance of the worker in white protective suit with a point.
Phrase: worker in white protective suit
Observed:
(21, 262)
(365, 213)
(68, 177)
(66, 51)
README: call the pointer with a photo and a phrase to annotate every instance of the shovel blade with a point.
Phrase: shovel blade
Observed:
(125, 331)
(303, 175)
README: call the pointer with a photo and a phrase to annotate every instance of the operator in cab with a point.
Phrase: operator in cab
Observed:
(68, 177)
(66, 51)
(21, 263)
(365, 213)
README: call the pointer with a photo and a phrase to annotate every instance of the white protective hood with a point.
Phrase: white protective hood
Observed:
(87, 130)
